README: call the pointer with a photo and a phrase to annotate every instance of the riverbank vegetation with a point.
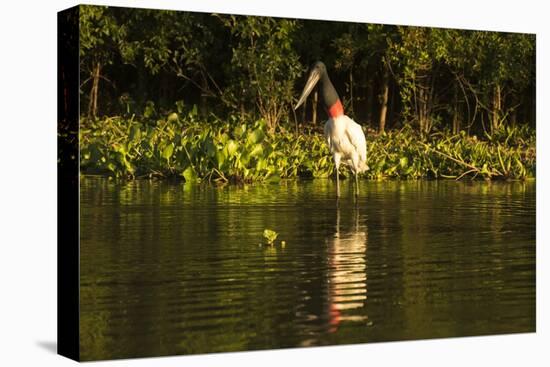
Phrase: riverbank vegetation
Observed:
(208, 97)
(219, 151)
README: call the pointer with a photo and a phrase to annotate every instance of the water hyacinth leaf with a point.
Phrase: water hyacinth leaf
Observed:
(239, 131)
(167, 151)
(244, 159)
(231, 147)
(189, 174)
(223, 138)
(256, 151)
(261, 165)
(256, 136)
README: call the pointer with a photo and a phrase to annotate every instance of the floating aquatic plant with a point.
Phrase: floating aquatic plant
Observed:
(270, 236)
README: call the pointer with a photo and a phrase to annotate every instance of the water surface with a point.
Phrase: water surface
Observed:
(178, 269)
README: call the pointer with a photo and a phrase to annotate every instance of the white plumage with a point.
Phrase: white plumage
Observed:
(347, 144)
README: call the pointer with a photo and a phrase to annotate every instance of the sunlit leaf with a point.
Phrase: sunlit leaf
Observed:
(167, 151)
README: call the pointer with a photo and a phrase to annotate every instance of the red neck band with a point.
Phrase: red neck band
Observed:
(336, 109)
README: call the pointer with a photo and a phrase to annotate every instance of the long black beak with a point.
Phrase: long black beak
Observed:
(314, 77)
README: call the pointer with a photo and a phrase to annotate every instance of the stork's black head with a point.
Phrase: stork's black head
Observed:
(318, 74)
(320, 66)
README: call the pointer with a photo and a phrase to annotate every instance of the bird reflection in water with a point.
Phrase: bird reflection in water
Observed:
(347, 270)
(344, 290)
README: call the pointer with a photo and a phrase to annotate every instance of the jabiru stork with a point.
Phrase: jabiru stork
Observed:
(345, 137)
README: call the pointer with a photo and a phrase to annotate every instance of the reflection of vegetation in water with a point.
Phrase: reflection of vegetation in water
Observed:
(94, 330)
(222, 151)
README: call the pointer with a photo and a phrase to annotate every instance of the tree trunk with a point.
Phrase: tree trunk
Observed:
(243, 111)
(390, 118)
(456, 116)
(421, 102)
(495, 121)
(424, 103)
(314, 108)
(384, 100)
(92, 106)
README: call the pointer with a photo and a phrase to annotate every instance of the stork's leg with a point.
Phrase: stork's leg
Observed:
(355, 165)
(337, 165)
(356, 185)
(337, 183)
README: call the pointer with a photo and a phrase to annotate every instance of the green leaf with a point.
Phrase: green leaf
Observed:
(239, 131)
(173, 117)
(167, 151)
(270, 235)
(261, 165)
(231, 147)
(189, 174)
(256, 151)
(256, 136)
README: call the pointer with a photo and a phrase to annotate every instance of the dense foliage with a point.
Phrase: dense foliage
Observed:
(141, 61)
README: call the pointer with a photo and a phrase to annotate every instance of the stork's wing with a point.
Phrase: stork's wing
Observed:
(356, 136)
